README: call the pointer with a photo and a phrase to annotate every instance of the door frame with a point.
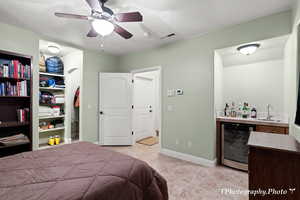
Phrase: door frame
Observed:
(160, 96)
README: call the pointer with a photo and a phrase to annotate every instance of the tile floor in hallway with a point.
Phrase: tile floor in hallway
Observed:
(187, 181)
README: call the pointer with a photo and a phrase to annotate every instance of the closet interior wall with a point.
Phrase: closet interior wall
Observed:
(73, 62)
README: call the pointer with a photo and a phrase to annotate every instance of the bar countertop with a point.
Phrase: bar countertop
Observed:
(275, 142)
(276, 122)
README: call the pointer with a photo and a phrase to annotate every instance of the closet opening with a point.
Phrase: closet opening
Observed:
(60, 72)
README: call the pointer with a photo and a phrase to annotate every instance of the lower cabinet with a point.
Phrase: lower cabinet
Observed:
(260, 128)
(272, 129)
(274, 165)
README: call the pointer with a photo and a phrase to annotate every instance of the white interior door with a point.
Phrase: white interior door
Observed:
(115, 109)
(144, 107)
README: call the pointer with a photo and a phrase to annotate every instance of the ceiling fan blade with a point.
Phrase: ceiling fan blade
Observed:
(71, 16)
(94, 4)
(129, 17)
(122, 32)
(92, 33)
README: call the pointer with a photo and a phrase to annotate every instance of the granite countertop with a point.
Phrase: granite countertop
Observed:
(277, 121)
(274, 142)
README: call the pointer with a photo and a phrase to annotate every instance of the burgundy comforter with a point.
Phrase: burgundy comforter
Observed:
(78, 171)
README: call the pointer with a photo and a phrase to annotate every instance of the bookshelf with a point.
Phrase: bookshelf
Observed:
(14, 97)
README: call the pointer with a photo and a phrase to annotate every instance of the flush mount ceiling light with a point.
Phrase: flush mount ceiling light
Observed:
(248, 49)
(103, 27)
(54, 49)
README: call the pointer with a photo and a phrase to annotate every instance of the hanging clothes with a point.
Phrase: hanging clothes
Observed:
(76, 98)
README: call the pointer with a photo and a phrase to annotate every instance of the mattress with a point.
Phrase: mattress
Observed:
(79, 171)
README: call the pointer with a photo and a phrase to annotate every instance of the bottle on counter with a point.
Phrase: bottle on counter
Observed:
(226, 110)
(239, 110)
(245, 111)
(233, 110)
(253, 113)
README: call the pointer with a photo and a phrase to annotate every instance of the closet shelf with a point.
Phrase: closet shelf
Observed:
(13, 124)
(52, 129)
(51, 104)
(52, 117)
(49, 88)
(46, 146)
(50, 74)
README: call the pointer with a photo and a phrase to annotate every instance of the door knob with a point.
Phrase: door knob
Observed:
(101, 112)
(150, 111)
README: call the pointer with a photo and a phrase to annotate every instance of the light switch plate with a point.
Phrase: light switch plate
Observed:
(171, 93)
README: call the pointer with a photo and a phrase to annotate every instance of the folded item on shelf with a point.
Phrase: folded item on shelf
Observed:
(59, 125)
(45, 111)
(14, 140)
(59, 98)
(60, 86)
(56, 110)
(45, 115)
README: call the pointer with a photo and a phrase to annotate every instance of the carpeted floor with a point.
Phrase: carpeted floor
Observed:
(187, 181)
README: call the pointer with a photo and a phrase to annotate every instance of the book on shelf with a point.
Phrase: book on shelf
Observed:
(23, 115)
(19, 88)
(14, 69)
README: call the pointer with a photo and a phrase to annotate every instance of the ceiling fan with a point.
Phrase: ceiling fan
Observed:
(104, 20)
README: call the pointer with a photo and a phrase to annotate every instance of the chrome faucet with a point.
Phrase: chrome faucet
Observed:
(269, 116)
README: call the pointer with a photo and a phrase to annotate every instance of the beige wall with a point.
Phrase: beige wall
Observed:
(190, 65)
(218, 82)
(93, 63)
(259, 84)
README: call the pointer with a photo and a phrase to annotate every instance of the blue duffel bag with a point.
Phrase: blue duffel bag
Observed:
(54, 65)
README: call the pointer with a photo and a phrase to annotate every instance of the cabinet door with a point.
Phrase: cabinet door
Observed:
(271, 129)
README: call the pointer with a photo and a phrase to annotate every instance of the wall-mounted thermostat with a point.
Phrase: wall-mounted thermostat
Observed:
(179, 92)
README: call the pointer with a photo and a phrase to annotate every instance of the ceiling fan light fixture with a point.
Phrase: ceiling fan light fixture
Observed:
(248, 49)
(54, 49)
(103, 27)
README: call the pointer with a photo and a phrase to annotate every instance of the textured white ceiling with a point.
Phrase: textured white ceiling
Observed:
(271, 49)
(185, 18)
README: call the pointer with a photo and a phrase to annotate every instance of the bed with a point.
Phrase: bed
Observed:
(79, 171)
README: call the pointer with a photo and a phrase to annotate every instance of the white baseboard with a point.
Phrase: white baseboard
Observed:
(189, 158)
(68, 140)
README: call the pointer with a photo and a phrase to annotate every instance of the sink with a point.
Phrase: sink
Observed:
(269, 120)
(266, 119)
